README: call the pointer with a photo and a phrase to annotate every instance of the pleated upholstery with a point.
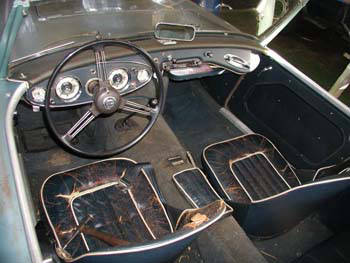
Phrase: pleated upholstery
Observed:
(195, 186)
(248, 168)
(258, 177)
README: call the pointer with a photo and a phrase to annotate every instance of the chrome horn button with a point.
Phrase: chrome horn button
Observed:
(107, 101)
(110, 103)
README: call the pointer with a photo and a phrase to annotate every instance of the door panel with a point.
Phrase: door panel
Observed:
(308, 129)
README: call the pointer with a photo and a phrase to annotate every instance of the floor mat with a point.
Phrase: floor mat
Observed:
(296, 242)
(195, 118)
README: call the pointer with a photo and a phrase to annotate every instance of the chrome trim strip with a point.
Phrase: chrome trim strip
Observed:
(41, 53)
(246, 157)
(28, 220)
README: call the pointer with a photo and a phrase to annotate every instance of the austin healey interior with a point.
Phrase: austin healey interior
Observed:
(161, 133)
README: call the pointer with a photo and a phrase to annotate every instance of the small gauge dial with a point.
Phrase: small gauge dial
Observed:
(38, 94)
(143, 75)
(68, 88)
(119, 79)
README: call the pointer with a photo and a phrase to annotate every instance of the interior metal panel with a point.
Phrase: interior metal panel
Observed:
(308, 129)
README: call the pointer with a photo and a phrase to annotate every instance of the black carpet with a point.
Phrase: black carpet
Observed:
(194, 117)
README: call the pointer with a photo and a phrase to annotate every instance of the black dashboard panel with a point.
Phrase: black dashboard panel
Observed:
(138, 74)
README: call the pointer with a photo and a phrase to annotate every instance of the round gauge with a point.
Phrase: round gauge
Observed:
(38, 94)
(118, 79)
(143, 75)
(68, 88)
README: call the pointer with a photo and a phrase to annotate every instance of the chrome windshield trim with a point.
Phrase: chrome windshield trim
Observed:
(42, 53)
(266, 37)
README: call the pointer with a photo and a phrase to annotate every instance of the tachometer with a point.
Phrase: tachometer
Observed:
(68, 88)
(119, 79)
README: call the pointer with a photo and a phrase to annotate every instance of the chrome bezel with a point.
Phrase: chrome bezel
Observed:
(38, 88)
(149, 75)
(126, 80)
(76, 94)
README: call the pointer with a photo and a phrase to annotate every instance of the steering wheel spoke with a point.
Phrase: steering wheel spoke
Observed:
(134, 107)
(100, 60)
(106, 100)
(84, 121)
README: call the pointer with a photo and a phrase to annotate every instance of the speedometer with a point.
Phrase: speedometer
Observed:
(68, 88)
(119, 79)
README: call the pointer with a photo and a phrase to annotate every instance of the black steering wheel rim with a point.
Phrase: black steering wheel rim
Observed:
(107, 153)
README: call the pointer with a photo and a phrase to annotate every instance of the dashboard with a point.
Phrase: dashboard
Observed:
(127, 74)
(76, 86)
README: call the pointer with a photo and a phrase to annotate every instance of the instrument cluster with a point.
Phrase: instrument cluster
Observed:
(77, 86)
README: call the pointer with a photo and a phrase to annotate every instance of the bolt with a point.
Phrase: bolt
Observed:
(208, 54)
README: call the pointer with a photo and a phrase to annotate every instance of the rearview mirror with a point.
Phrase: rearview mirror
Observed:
(170, 31)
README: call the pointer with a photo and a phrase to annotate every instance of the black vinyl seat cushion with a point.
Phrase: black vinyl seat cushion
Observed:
(124, 203)
(263, 188)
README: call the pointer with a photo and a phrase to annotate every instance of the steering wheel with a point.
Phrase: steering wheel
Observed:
(106, 99)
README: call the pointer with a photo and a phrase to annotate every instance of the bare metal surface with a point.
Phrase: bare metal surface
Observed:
(79, 21)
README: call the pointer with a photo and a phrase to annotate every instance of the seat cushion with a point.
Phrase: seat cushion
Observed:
(248, 169)
(116, 193)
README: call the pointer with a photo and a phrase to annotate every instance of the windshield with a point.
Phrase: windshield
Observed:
(51, 24)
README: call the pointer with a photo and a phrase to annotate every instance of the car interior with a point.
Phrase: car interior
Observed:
(204, 151)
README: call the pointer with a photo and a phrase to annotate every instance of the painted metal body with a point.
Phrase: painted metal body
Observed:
(19, 242)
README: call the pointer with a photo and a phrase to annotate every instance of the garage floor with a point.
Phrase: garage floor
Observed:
(319, 53)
